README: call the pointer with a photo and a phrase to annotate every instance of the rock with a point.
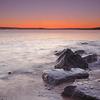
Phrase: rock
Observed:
(83, 91)
(66, 52)
(80, 52)
(57, 53)
(68, 91)
(68, 60)
(58, 76)
(84, 43)
(9, 73)
(90, 58)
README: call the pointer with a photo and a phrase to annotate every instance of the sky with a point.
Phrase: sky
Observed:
(50, 13)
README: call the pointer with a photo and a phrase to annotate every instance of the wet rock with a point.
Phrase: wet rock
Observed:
(60, 62)
(57, 53)
(84, 43)
(83, 91)
(90, 58)
(66, 52)
(68, 60)
(69, 91)
(58, 76)
(9, 73)
(80, 52)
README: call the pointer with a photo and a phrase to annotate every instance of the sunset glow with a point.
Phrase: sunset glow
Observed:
(50, 13)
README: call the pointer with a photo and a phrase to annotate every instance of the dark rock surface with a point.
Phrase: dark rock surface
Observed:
(9, 73)
(90, 58)
(58, 76)
(80, 52)
(57, 53)
(83, 90)
(84, 43)
(68, 60)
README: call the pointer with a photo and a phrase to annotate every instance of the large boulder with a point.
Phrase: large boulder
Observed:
(83, 91)
(68, 60)
(58, 76)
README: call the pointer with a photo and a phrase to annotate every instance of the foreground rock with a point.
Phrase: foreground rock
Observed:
(58, 76)
(68, 60)
(83, 91)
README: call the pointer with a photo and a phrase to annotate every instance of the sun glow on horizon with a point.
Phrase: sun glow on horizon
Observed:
(50, 13)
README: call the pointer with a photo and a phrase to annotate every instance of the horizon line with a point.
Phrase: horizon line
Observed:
(98, 27)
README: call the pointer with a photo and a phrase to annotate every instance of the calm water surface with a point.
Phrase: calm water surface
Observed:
(50, 34)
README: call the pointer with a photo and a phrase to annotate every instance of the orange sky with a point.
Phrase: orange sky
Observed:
(49, 23)
(50, 13)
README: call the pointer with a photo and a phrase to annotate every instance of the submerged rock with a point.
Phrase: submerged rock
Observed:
(68, 60)
(58, 76)
(9, 73)
(90, 58)
(84, 43)
(83, 91)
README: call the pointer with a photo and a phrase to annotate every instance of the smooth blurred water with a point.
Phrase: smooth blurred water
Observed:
(26, 53)
(49, 34)
(22, 48)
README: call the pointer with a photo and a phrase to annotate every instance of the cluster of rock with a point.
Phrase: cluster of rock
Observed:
(68, 59)
(69, 67)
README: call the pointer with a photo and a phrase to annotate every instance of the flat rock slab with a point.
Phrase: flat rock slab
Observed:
(58, 76)
(87, 90)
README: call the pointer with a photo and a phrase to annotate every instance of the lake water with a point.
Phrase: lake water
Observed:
(50, 34)
(26, 53)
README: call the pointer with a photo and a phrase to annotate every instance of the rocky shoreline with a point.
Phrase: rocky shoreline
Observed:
(72, 66)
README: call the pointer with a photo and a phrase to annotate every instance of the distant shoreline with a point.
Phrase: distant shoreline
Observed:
(7, 28)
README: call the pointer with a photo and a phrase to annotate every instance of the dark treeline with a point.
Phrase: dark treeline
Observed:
(95, 28)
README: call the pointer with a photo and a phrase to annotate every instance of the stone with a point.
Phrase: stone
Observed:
(68, 91)
(9, 73)
(84, 43)
(80, 52)
(68, 60)
(83, 91)
(58, 76)
(90, 58)
(57, 53)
